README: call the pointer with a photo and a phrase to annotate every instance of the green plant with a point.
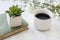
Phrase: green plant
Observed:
(34, 4)
(52, 8)
(14, 11)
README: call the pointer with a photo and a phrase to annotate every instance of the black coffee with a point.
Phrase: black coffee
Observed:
(42, 16)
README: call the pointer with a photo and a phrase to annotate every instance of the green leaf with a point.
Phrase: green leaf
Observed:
(14, 11)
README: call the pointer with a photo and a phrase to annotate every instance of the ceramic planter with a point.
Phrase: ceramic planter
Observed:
(42, 24)
(14, 22)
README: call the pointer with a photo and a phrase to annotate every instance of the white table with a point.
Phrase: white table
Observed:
(31, 33)
(34, 34)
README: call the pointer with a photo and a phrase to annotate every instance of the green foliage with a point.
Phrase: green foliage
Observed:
(52, 8)
(14, 11)
(35, 3)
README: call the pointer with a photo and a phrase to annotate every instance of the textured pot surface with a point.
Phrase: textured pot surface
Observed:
(40, 23)
(15, 21)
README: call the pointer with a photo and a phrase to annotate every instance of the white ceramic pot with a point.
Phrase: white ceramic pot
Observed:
(41, 24)
(14, 22)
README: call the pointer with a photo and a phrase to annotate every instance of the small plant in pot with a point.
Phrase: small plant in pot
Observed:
(15, 15)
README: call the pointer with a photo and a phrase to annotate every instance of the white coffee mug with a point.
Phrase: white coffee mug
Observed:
(42, 24)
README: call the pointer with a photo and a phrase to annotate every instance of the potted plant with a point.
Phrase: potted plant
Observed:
(15, 15)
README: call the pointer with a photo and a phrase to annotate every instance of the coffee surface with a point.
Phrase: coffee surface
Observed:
(42, 16)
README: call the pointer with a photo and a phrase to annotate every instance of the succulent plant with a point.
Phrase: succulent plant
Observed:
(14, 11)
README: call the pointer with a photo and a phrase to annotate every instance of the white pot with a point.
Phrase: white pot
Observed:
(15, 21)
(41, 24)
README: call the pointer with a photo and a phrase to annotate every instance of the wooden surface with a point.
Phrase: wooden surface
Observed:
(16, 30)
